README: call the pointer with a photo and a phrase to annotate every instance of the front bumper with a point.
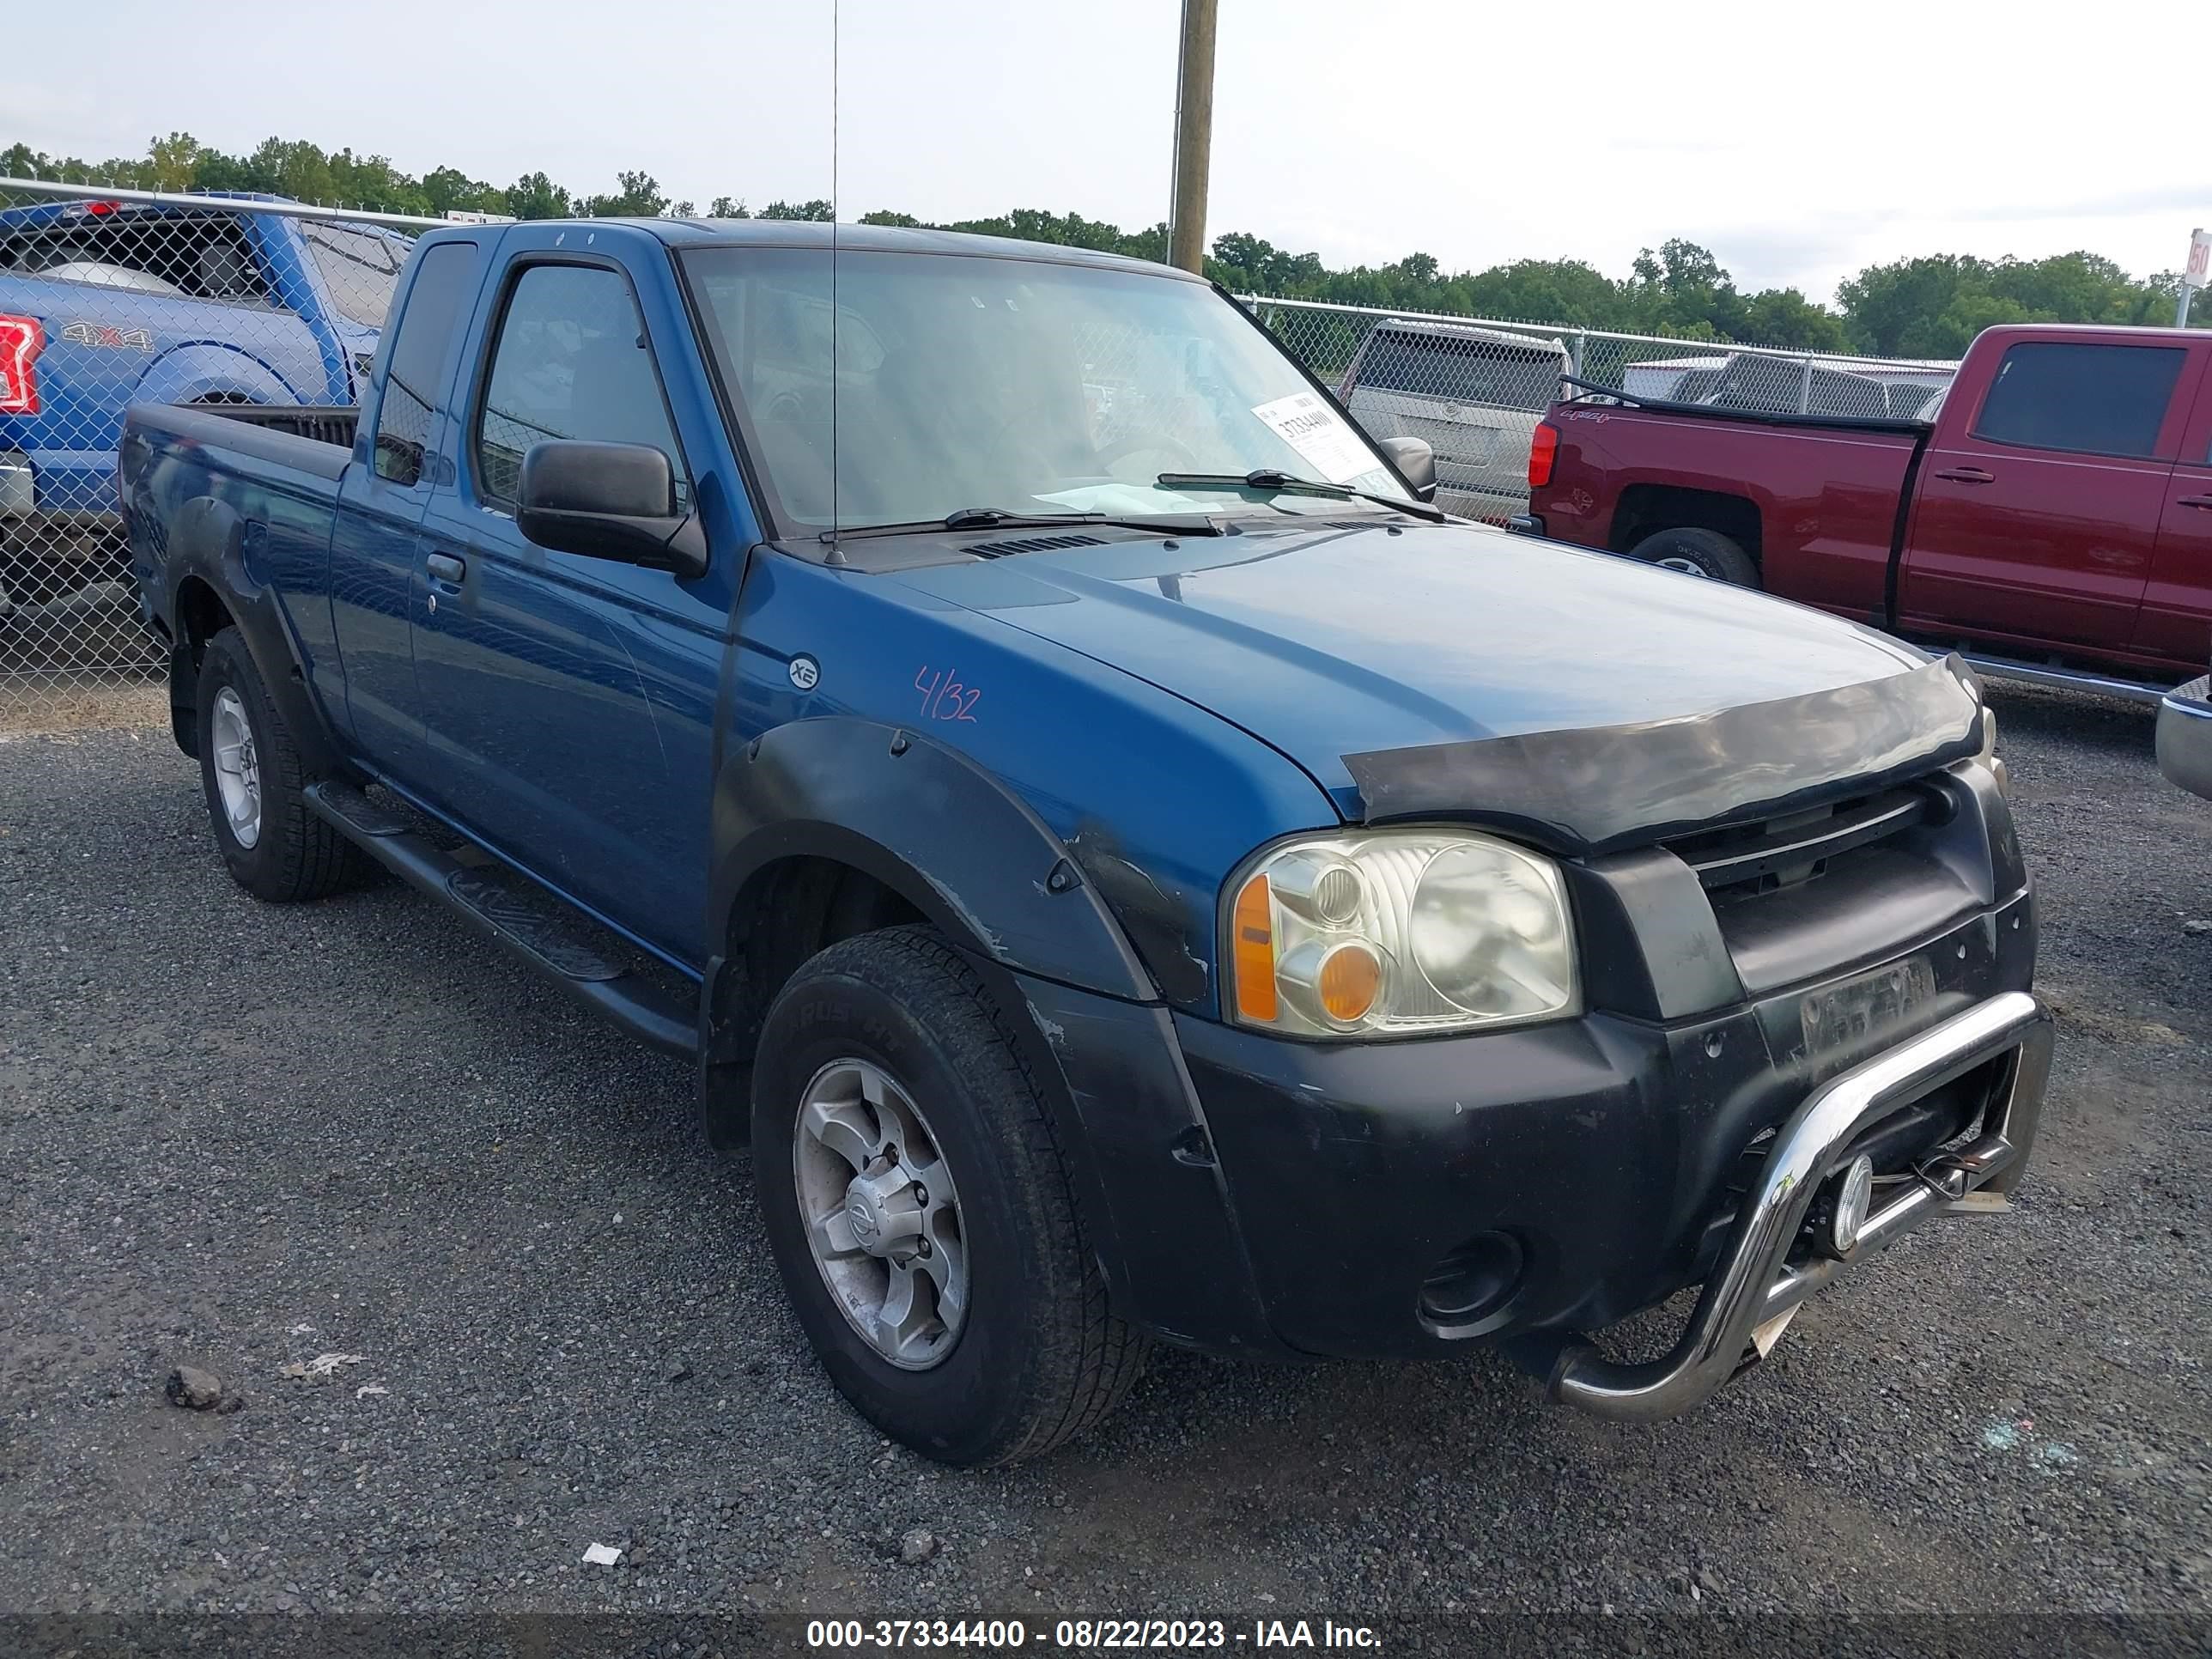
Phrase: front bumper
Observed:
(1764, 1272)
(2184, 737)
(1594, 1167)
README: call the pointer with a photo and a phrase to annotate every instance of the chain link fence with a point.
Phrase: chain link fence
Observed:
(1474, 388)
(108, 298)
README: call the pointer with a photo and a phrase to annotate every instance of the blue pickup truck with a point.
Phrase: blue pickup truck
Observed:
(107, 303)
(1130, 867)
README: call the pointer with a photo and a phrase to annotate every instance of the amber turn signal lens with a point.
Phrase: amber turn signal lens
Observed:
(1351, 979)
(1253, 951)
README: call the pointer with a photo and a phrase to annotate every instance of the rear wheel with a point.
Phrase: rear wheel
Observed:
(920, 1210)
(1695, 552)
(252, 773)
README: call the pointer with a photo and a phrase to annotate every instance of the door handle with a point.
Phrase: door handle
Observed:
(1966, 475)
(445, 567)
(2204, 501)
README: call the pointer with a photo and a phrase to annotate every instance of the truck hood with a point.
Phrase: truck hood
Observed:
(1454, 671)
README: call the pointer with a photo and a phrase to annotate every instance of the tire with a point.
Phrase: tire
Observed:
(1699, 553)
(1033, 1355)
(285, 853)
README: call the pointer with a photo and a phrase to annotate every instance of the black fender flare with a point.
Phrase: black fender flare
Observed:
(959, 849)
(210, 541)
(934, 828)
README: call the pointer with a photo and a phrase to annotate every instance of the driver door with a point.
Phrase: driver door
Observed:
(565, 699)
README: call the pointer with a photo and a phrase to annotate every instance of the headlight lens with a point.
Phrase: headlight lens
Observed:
(1399, 933)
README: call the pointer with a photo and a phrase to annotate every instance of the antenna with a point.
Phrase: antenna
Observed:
(837, 202)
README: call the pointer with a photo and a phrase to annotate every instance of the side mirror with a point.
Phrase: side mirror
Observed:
(1416, 461)
(608, 502)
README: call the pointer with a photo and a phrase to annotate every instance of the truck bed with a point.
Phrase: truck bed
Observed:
(313, 438)
(1824, 491)
(278, 465)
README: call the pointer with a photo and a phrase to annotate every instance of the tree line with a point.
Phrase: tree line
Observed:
(1928, 307)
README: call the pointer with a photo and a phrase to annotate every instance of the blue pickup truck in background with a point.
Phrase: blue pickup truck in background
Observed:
(107, 303)
(1130, 867)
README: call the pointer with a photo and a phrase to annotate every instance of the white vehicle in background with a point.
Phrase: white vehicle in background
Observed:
(1474, 395)
(1791, 385)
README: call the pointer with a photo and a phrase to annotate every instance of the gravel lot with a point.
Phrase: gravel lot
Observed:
(238, 1136)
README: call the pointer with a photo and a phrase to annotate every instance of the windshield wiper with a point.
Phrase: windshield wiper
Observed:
(1273, 483)
(997, 518)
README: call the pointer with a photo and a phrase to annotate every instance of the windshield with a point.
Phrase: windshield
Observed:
(1016, 383)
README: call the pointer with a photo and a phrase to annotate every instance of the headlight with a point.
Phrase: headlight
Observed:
(1397, 934)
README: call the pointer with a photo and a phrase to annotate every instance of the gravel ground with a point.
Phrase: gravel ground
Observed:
(44, 704)
(242, 1137)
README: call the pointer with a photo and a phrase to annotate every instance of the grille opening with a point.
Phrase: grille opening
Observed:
(1738, 861)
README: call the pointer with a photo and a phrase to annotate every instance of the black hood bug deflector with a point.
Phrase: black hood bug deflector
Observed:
(1598, 789)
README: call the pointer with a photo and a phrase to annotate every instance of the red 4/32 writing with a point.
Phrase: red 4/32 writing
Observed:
(943, 698)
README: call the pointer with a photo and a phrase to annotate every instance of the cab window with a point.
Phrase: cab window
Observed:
(572, 360)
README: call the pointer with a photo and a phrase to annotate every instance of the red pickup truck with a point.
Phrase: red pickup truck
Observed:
(2053, 520)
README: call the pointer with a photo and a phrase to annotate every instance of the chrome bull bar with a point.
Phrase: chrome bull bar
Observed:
(1755, 1281)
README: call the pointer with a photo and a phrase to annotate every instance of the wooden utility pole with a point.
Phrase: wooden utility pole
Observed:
(1193, 137)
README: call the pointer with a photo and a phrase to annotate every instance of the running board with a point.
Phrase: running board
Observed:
(551, 945)
(2070, 679)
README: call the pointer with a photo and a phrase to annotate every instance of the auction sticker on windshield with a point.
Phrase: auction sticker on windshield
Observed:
(1319, 434)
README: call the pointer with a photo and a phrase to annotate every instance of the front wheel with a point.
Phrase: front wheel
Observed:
(920, 1210)
(1695, 552)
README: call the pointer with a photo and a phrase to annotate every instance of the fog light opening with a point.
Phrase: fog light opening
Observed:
(1472, 1284)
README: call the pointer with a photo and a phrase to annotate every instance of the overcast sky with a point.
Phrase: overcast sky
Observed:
(1799, 143)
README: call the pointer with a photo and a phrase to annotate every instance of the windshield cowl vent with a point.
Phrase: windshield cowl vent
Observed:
(1029, 544)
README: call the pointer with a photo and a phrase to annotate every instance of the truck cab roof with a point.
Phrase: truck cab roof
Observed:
(853, 239)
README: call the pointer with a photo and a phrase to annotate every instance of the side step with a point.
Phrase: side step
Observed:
(546, 943)
(2069, 680)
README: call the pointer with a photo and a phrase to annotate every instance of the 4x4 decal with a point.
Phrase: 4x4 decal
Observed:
(104, 334)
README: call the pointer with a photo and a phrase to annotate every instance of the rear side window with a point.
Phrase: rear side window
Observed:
(1461, 370)
(420, 355)
(179, 255)
(361, 268)
(2091, 399)
(572, 361)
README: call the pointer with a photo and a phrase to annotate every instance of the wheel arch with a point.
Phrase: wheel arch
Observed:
(929, 825)
(822, 826)
(210, 588)
(1644, 509)
(206, 371)
(198, 614)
